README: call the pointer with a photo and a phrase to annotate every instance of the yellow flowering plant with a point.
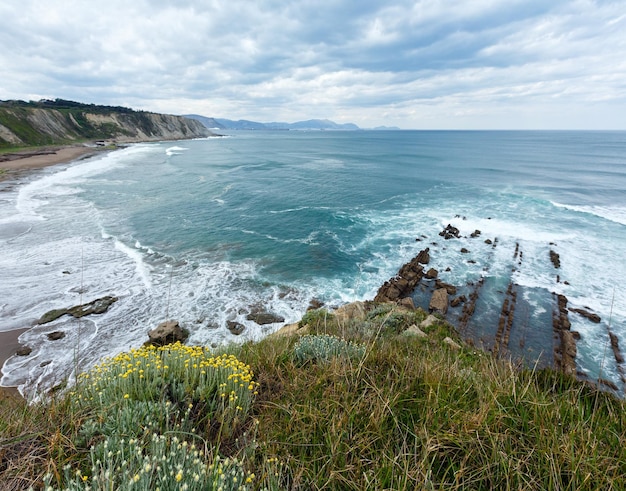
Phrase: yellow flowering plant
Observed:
(144, 411)
(188, 384)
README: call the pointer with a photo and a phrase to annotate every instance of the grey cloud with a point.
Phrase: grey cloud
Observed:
(271, 59)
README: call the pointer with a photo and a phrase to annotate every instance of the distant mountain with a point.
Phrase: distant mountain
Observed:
(243, 124)
(386, 128)
(210, 123)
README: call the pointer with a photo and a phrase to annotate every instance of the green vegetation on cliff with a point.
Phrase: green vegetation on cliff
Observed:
(57, 122)
(361, 398)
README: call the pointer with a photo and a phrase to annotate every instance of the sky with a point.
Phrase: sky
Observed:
(420, 64)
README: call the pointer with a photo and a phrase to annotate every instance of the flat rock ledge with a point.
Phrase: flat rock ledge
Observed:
(98, 306)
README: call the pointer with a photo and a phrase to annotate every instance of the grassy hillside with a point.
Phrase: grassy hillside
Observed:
(349, 401)
(55, 122)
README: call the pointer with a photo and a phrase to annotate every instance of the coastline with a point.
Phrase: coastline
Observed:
(14, 164)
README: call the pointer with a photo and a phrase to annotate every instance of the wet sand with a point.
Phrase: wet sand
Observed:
(8, 346)
(13, 164)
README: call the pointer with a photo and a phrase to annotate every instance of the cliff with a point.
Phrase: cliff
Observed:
(62, 122)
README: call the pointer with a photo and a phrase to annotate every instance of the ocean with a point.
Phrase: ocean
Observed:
(207, 231)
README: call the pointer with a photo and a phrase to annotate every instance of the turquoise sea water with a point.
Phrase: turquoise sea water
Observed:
(204, 231)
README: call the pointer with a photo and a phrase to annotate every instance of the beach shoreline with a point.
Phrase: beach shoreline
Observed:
(15, 164)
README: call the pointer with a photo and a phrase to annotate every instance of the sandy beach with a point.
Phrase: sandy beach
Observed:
(15, 163)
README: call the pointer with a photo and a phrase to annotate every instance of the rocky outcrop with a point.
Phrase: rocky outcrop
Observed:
(60, 122)
(167, 332)
(405, 281)
(263, 318)
(565, 350)
(458, 301)
(587, 315)
(98, 306)
(450, 232)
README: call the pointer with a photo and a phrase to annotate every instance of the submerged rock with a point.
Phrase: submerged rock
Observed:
(235, 328)
(24, 351)
(53, 336)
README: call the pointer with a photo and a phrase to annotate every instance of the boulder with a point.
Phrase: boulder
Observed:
(439, 301)
(432, 273)
(414, 331)
(53, 336)
(464, 250)
(453, 344)
(475, 233)
(429, 321)
(407, 303)
(167, 332)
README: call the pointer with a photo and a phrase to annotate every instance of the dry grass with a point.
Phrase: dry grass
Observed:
(410, 414)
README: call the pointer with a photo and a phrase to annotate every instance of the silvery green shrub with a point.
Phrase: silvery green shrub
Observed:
(322, 348)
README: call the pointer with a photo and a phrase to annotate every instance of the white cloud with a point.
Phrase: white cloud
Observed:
(425, 63)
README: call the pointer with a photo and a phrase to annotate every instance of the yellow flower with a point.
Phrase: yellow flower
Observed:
(179, 476)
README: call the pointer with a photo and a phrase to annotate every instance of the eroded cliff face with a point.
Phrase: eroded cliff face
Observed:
(36, 126)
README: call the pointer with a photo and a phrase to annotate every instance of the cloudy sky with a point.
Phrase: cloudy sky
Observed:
(409, 63)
